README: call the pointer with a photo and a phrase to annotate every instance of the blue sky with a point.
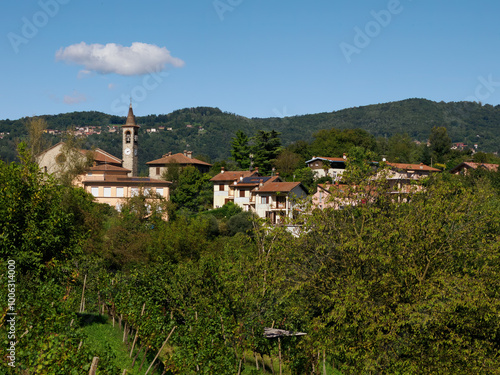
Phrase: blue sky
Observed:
(254, 58)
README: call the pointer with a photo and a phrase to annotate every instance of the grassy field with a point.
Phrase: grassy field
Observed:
(102, 336)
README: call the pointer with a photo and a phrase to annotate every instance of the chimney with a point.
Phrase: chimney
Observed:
(277, 174)
(344, 156)
(222, 169)
(190, 154)
(383, 159)
(256, 169)
(241, 177)
(185, 152)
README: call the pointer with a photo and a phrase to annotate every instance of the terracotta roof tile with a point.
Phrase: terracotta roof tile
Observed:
(416, 167)
(277, 187)
(178, 159)
(233, 175)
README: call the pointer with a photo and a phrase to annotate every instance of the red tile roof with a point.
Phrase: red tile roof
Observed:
(416, 167)
(233, 175)
(272, 187)
(490, 167)
(101, 156)
(178, 159)
(109, 167)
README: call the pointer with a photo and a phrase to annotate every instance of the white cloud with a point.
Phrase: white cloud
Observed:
(138, 59)
(75, 98)
(84, 73)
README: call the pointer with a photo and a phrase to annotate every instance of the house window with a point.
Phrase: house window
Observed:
(263, 200)
(242, 193)
(159, 191)
(221, 187)
(127, 137)
(119, 192)
(107, 192)
(281, 201)
(135, 192)
(157, 171)
(95, 191)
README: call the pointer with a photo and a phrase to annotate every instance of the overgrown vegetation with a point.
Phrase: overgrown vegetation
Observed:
(389, 284)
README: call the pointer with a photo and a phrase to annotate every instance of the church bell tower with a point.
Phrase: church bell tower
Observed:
(130, 143)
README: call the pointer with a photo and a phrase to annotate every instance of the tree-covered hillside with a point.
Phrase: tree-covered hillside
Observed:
(208, 131)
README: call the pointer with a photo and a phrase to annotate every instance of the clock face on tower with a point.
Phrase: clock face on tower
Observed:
(127, 151)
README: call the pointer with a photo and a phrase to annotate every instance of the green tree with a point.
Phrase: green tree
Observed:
(37, 225)
(265, 149)
(240, 150)
(194, 191)
(440, 143)
(401, 288)
(334, 142)
(287, 162)
(36, 143)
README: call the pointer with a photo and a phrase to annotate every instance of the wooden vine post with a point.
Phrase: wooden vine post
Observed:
(82, 303)
(93, 366)
(159, 351)
(137, 331)
(272, 333)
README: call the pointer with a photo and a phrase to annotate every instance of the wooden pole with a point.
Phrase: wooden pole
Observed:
(133, 344)
(143, 358)
(324, 362)
(124, 332)
(279, 353)
(239, 367)
(93, 367)
(137, 355)
(159, 351)
(82, 303)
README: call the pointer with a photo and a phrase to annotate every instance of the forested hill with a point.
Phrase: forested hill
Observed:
(208, 131)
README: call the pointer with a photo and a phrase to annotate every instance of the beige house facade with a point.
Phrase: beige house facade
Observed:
(323, 166)
(266, 196)
(110, 180)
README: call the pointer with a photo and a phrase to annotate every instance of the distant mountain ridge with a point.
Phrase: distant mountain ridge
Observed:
(208, 131)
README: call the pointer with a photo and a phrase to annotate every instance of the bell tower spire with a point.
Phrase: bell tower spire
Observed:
(130, 145)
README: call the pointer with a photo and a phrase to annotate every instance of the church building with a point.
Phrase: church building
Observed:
(110, 180)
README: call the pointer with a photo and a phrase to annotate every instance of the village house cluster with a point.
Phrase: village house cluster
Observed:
(113, 180)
